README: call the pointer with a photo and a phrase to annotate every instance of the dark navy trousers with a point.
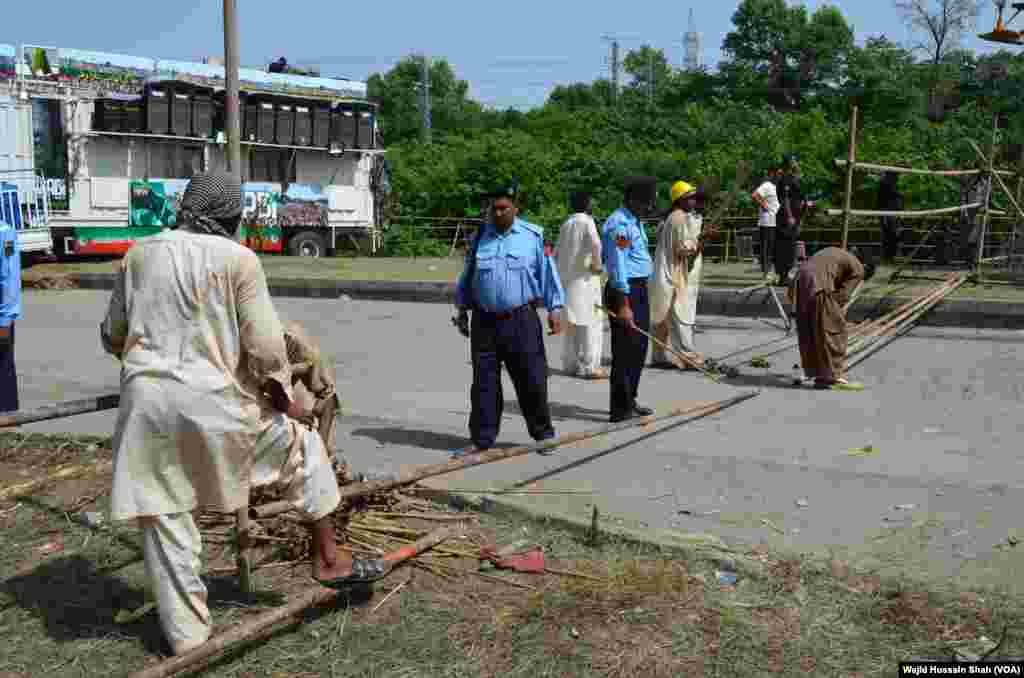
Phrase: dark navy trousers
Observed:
(8, 376)
(515, 340)
(629, 350)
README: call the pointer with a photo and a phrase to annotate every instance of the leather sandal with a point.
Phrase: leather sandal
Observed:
(363, 572)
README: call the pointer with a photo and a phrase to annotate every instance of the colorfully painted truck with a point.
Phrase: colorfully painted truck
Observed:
(24, 198)
(118, 138)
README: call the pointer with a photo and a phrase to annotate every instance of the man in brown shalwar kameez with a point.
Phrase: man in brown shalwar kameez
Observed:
(823, 287)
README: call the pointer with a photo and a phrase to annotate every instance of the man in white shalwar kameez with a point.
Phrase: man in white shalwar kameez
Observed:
(675, 284)
(579, 267)
(207, 406)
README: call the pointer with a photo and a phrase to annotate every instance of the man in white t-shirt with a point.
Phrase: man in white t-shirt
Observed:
(767, 197)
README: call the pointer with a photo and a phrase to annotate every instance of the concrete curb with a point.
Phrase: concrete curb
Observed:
(497, 505)
(713, 301)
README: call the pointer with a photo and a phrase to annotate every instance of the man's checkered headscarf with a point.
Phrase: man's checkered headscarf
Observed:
(210, 201)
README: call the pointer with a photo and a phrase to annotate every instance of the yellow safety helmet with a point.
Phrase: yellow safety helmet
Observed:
(681, 189)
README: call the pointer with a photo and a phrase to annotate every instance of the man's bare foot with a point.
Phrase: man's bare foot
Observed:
(328, 562)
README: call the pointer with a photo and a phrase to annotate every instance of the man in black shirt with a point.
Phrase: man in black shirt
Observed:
(791, 204)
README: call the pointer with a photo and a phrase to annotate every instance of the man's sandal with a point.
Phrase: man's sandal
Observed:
(363, 572)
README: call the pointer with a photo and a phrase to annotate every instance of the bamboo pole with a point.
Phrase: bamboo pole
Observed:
(851, 166)
(244, 543)
(900, 329)
(69, 408)
(490, 456)
(679, 354)
(853, 297)
(906, 213)
(868, 336)
(1002, 184)
(990, 168)
(872, 167)
(252, 627)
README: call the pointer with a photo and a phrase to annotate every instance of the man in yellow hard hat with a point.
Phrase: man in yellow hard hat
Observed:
(676, 280)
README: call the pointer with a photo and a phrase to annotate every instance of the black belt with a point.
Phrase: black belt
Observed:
(639, 282)
(509, 314)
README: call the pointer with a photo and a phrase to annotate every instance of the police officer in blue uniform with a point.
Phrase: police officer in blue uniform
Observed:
(628, 262)
(508, 274)
(10, 310)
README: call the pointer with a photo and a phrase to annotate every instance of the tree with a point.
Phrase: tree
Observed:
(399, 97)
(788, 51)
(881, 79)
(581, 95)
(942, 23)
(648, 69)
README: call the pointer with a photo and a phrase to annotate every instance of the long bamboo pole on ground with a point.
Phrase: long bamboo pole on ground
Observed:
(254, 626)
(902, 311)
(861, 329)
(867, 336)
(851, 166)
(897, 331)
(491, 456)
(68, 408)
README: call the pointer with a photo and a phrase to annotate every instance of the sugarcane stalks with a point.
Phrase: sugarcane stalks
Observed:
(490, 456)
(254, 626)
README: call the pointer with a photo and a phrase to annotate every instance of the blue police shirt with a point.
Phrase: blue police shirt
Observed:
(10, 276)
(511, 270)
(624, 250)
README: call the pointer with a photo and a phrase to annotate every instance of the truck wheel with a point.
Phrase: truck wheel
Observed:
(307, 244)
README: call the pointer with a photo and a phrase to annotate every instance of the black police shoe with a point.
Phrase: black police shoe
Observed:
(642, 411)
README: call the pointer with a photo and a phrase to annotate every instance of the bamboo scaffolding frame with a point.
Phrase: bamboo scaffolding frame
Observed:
(872, 167)
(907, 213)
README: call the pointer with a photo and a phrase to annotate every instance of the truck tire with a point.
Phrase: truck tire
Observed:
(307, 244)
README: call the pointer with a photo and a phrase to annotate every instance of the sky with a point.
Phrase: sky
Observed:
(512, 55)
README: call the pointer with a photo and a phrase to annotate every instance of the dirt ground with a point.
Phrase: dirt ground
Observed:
(73, 598)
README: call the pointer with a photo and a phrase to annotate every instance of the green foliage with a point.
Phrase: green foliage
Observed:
(405, 240)
(787, 86)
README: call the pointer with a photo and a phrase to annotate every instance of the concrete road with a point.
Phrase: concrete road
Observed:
(939, 496)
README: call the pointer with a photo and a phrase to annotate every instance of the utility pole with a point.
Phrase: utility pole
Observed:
(231, 105)
(426, 99)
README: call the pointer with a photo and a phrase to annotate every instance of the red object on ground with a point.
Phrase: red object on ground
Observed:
(527, 561)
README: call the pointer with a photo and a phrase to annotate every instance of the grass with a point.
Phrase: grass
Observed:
(651, 611)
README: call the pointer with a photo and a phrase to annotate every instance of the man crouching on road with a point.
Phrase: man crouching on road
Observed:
(207, 404)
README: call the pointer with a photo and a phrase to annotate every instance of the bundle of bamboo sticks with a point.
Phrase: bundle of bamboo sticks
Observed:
(869, 337)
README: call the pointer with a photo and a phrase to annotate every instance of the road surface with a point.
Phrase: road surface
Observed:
(943, 412)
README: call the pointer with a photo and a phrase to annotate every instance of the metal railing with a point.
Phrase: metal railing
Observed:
(24, 199)
(740, 236)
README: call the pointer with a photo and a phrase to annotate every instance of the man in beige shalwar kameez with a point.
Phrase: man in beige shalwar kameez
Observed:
(579, 267)
(675, 284)
(207, 405)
